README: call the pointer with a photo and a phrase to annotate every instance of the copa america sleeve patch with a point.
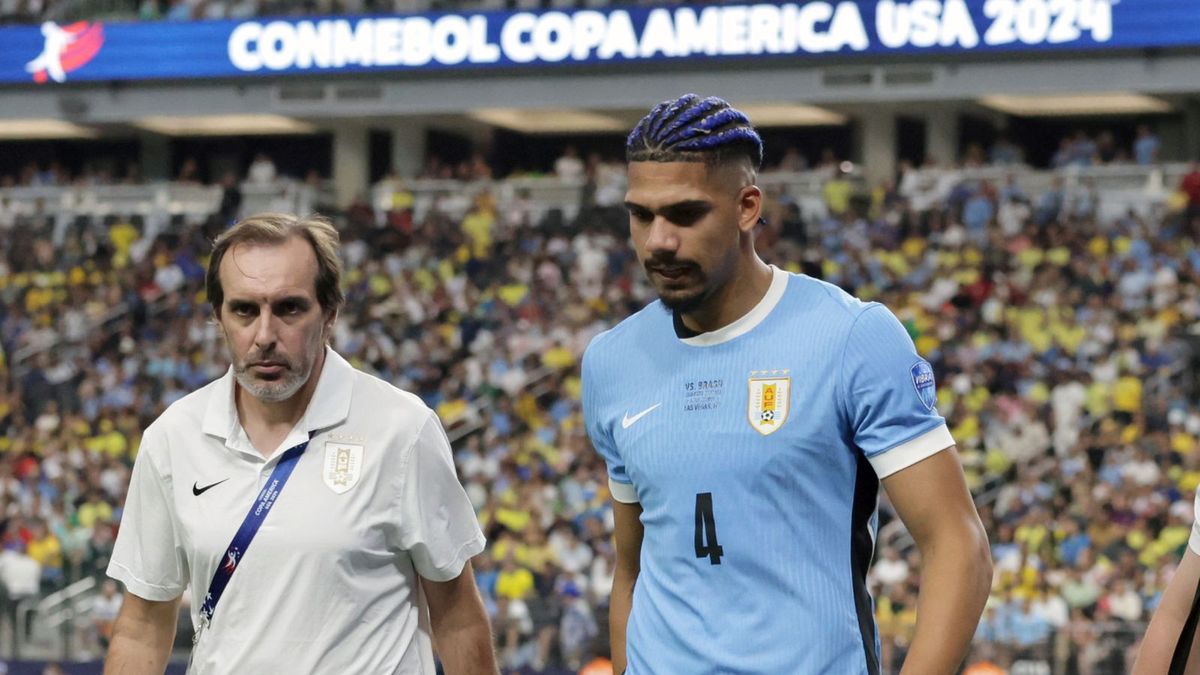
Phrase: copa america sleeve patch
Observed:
(922, 377)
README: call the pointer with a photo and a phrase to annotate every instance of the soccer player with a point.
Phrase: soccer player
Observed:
(313, 509)
(747, 418)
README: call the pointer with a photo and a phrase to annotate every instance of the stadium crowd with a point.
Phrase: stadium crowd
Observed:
(1064, 349)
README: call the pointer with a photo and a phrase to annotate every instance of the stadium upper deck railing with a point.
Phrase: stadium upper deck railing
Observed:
(544, 194)
(156, 203)
(1120, 186)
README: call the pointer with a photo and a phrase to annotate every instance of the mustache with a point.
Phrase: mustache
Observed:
(658, 263)
(266, 360)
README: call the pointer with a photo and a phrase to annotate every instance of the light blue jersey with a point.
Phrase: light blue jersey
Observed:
(756, 452)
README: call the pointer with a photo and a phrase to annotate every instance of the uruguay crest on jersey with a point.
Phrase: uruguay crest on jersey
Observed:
(770, 395)
(343, 464)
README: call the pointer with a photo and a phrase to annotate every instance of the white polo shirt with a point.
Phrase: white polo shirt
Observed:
(330, 582)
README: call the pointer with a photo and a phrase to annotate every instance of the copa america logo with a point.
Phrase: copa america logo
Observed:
(65, 49)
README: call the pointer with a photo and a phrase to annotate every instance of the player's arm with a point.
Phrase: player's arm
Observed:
(1158, 647)
(142, 637)
(627, 536)
(461, 632)
(932, 499)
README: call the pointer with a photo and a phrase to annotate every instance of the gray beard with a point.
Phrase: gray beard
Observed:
(272, 393)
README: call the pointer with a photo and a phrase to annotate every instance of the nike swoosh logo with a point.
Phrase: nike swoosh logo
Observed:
(628, 421)
(197, 490)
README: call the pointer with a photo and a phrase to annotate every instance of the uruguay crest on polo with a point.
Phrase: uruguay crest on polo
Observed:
(343, 464)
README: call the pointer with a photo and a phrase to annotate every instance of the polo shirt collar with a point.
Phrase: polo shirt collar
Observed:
(329, 406)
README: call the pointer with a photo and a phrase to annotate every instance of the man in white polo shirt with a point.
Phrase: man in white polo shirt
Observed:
(313, 509)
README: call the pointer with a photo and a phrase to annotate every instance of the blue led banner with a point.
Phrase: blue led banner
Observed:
(84, 51)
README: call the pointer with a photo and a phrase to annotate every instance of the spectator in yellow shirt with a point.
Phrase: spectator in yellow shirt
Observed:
(837, 193)
(534, 552)
(45, 548)
(1127, 397)
(122, 235)
(110, 441)
(478, 225)
(514, 582)
(94, 510)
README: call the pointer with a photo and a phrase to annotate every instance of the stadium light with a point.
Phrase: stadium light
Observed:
(790, 115)
(1102, 103)
(30, 129)
(223, 125)
(547, 121)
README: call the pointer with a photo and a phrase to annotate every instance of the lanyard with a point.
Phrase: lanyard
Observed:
(245, 534)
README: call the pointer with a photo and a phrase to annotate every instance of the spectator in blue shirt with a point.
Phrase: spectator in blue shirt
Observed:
(978, 211)
(1146, 146)
(992, 627)
(1074, 542)
(1029, 630)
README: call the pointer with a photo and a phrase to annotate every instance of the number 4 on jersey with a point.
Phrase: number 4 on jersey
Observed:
(706, 530)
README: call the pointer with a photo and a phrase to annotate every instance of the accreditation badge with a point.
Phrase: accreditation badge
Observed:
(343, 465)
(770, 395)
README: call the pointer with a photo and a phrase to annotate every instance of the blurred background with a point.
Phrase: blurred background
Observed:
(1016, 179)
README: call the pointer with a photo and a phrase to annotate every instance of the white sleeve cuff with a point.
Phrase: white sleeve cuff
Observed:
(453, 569)
(623, 492)
(142, 589)
(908, 453)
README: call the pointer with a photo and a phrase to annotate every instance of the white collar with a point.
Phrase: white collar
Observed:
(751, 319)
(330, 403)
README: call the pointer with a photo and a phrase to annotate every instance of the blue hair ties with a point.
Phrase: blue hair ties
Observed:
(692, 124)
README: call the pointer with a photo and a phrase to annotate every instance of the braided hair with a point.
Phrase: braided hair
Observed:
(694, 129)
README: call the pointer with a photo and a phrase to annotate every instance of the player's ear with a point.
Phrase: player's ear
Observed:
(750, 201)
(330, 319)
(215, 318)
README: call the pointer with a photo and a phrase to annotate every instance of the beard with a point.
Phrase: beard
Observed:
(681, 285)
(683, 301)
(289, 381)
(684, 286)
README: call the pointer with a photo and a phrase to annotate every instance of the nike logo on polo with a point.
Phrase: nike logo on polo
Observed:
(628, 421)
(197, 490)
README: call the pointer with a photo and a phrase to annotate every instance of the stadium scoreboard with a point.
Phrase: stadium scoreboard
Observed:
(82, 51)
